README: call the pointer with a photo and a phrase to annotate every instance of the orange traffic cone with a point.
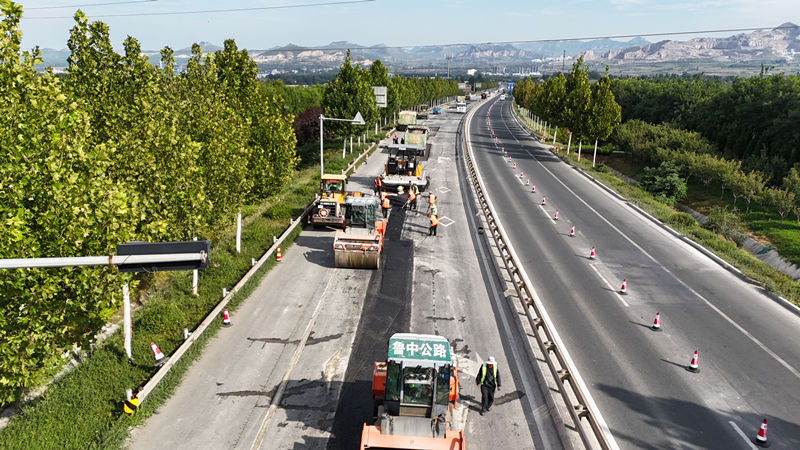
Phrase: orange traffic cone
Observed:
(515, 164)
(533, 188)
(544, 200)
(555, 217)
(624, 288)
(278, 254)
(226, 318)
(527, 182)
(157, 354)
(592, 254)
(657, 323)
(761, 437)
(521, 174)
(694, 366)
(572, 231)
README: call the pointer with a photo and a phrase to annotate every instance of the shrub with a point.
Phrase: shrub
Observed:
(725, 222)
(681, 219)
(160, 317)
(279, 211)
(664, 182)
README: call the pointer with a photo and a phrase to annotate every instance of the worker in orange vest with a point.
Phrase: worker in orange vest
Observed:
(385, 205)
(434, 224)
(431, 202)
(412, 200)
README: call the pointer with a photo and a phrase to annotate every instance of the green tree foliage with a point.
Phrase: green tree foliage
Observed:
(116, 150)
(349, 93)
(578, 102)
(749, 119)
(56, 199)
(604, 112)
(379, 76)
(664, 182)
(296, 98)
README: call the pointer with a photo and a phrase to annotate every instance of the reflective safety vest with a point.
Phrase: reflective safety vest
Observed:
(431, 198)
(385, 202)
(434, 221)
(483, 373)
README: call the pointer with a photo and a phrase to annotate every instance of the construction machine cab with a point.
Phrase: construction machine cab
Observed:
(360, 211)
(404, 160)
(332, 185)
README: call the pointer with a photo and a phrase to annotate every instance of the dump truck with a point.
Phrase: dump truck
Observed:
(329, 210)
(414, 393)
(417, 135)
(403, 167)
(423, 112)
(360, 243)
(405, 118)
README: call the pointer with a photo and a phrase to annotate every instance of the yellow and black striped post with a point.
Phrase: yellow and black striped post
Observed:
(131, 403)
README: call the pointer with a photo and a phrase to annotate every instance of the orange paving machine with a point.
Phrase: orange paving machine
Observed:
(414, 393)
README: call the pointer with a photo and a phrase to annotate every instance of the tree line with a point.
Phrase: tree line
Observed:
(752, 120)
(587, 111)
(694, 156)
(116, 150)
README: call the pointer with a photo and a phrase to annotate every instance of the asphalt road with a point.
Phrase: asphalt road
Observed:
(294, 370)
(749, 345)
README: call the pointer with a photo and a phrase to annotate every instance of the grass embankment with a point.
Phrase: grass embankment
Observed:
(772, 280)
(82, 409)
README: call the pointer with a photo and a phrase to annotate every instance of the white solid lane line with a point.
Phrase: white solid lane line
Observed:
(741, 433)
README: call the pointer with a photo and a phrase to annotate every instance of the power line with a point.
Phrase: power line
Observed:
(209, 11)
(89, 4)
(532, 41)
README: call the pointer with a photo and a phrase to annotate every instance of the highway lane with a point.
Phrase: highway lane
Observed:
(748, 344)
(290, 372)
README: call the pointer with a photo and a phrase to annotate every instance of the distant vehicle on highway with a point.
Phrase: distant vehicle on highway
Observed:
(461, 107)
(423, 112)
(467, 97)
(502, 96)
(437, 110)
(483, 95)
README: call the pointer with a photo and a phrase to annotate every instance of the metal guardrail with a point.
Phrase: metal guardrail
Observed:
(591, 427)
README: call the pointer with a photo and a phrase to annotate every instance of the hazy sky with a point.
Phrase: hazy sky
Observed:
(391, 22)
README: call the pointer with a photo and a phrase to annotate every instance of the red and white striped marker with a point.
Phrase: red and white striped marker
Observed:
(278, 254)
(509, 159)
(533, 188)
(226, 318)
(555, 217)
(521, 174)
(156, 353)
(544, 200)
(761, 437)
(515, 164)
(592, 254)
(624, 288)
(657, 323)
(527, 182)
(572, 231)
(694, 365)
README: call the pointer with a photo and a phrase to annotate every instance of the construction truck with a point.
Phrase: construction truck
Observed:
(413, 395)
(360, 243)
(423, 112)
(329, 208)
(403, 167)
(405, 118)
(417, 135)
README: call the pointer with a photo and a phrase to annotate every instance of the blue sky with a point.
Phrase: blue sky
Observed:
(393, 22)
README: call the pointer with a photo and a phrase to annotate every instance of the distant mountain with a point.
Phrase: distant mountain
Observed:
(779, 43)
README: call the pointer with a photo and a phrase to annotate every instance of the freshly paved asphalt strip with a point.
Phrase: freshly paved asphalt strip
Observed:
(749, 356)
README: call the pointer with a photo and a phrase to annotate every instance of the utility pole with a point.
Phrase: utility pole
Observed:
(563, 57)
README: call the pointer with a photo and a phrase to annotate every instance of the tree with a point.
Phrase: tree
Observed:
(379, 76)
(792, 185)
(664, 182)
(604, 113)
(578, 101)
(349, 93)
(753, 185)
(780, 199)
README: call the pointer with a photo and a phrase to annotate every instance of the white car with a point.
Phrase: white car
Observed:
(502, 96)
(461, 107)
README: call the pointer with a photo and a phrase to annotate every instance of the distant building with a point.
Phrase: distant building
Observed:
(471, 72)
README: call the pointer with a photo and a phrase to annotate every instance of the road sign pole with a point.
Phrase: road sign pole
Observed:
(127, 331)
